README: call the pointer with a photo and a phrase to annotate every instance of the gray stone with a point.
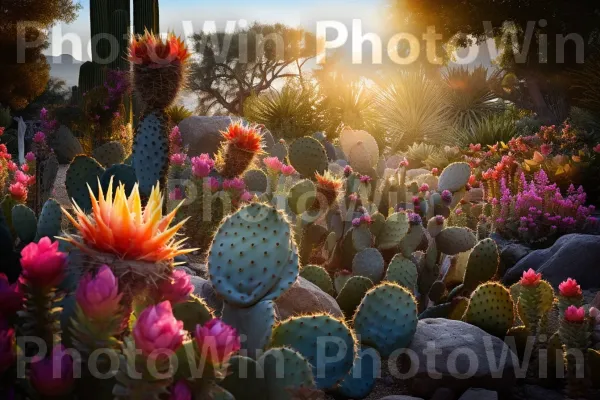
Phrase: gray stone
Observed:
(465, 356)
(443, 394)
(479, 394)
(572, 256)
(199, 269)
(65, 145)
(203, 134)
(304, 297)
(533, 392)
(398, 397)
(204, 289)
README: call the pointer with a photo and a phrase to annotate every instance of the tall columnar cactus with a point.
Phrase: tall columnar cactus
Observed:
(240, 148)
(146, 16)
(530, 299)
(575, 334)
(386, 318)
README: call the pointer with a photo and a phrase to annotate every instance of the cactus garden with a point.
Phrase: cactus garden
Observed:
(427, 235)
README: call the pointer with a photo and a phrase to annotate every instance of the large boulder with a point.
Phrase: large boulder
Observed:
(65, 145)
(205, 290)
(456, 355)
(571, 256)
(304, 297)
(203, 134)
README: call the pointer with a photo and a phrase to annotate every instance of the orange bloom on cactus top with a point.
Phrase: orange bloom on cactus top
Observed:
(328, 182)
(155, 52)
(121, 226)
(244, 137)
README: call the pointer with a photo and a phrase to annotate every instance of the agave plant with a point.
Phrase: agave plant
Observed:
(470, 95)
(419, 152)
(178, 113)
(412, 108)
(488, 131)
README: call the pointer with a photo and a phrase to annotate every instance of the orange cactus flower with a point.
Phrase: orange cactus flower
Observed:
(155, 52)
(328, 182)
(119, 225)
(244, 137)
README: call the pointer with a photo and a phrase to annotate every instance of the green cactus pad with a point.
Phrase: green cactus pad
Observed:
(454, 177)
(540, 304)
(308, 156)
(491, 308)
(377, 224)
(340, 279)
(256, 180)
(253, 256)
(313, 237)
(280, 151)
(412, 240)
(350, 138)
(82, 172)
(24, 222)
(319, 276)
(352, 293)
(285, 386)
(47, 171)
(434, 228)
(454, 240)
(369, 263)
(109, 154)
(244, 379)
(360, 381)
(386, 319)
(395, 228)
(302, 196)
(120, 173)
(402, 271)
(437, 292)
(151, 152)
(482, 265)
(361, 237)
(360, 159)
(50, 220)
(192, 312)
(321, 336)
(255, 322)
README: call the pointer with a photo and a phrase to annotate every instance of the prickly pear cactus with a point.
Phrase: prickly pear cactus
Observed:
(255, 322)
(352, 293)
(437, 292)
(48, 169)
(386, 319)
(308, 156)
(82, 172)
(24, 222)
(253, 256)
(340, 278)
(370, 264)
(50, 220)
(319, 336)
(245, 379)
(491, 308)
(109, 154)
(302, 196)
(151, 152)
(454, 177)
(360, 159)
(192, 312)
(279, 150)
(350, 138)
(362, 238)
(532, 303)
(395, 228)
(482, 265)
(120, 174)
(280, 386)
(454, 240)
(402, 271)
(412, 240)
(256, 181)
(360, 381)
(319, 276)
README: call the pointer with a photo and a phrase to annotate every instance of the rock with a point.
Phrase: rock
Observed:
(204, 289)
(456, 355)
(479, 394)
(199, 269)
(533, 392)
(443, 394)
(65, 145)
(203, 134)
(474, 195)
(571, 256)
(596, 301)
(510, 252)
(398, 397)
(306, 298)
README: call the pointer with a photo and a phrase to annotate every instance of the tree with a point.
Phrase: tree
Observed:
(233, 66)
(551, 35)
(25, 78)
(55, 95)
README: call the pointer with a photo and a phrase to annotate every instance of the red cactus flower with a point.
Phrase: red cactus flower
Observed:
(328, 182)
(155, 52)
(574, 314)
(530, 278)
(570, 288)
(244, 137)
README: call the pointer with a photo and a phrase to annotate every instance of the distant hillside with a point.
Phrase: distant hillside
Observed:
(65, 67)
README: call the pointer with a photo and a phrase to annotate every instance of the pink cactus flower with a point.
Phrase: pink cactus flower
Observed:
(574, 314)
(435, 171)
(22, 178)
(439, 219)
(347, 171)
(177, 288)
(47, 378)
(39, 137)
(202, 165)
(181, 391)
(217, 341)
(424, 188)
(353, 197)
(273, 164)
(472, 180)
(1, 130)
(212, 184)
(597, 148)
(176, 194)
(25, 167)
(446, 196)
(7, 349)
(356, 222)
(12, 167)
(530, 278)
(157, 330)
(11, 297)
(246, 197)
(99, 296)
(546, 149)
(178, 159)
(458, 211)
(570, 288)
(43, 265)
(235, 184)
(288, 170)
(365, 179)
(404, 163)
(18, 191)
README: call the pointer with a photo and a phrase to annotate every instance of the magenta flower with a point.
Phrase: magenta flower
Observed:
(424, 188)
(347, 171)
(177, 288)
(30, 156)
(439, 219)
(176, 194)
(246, 196)
(181, 391)
(235, 184)
(353, 197)
(288, 170)
(530, 278)
(447, 196)
(7, 349)
(43, 265)
(569, 288)
(212, 184)
(11, 298)
(365, 178)
(39, 137)
(404, 163)
(546, 149)
(178, 159)
(18, 191)
(202, 165)
(47, 378)
(356, 222)
(435, 171)
(597, 148)
(217, 341)
(157, 329)
(574, 314)
(273, 164)
(99, 296)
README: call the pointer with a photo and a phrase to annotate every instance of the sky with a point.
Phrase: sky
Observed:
(298, 13)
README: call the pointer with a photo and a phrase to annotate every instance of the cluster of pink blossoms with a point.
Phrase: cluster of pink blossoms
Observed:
(275, 166)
